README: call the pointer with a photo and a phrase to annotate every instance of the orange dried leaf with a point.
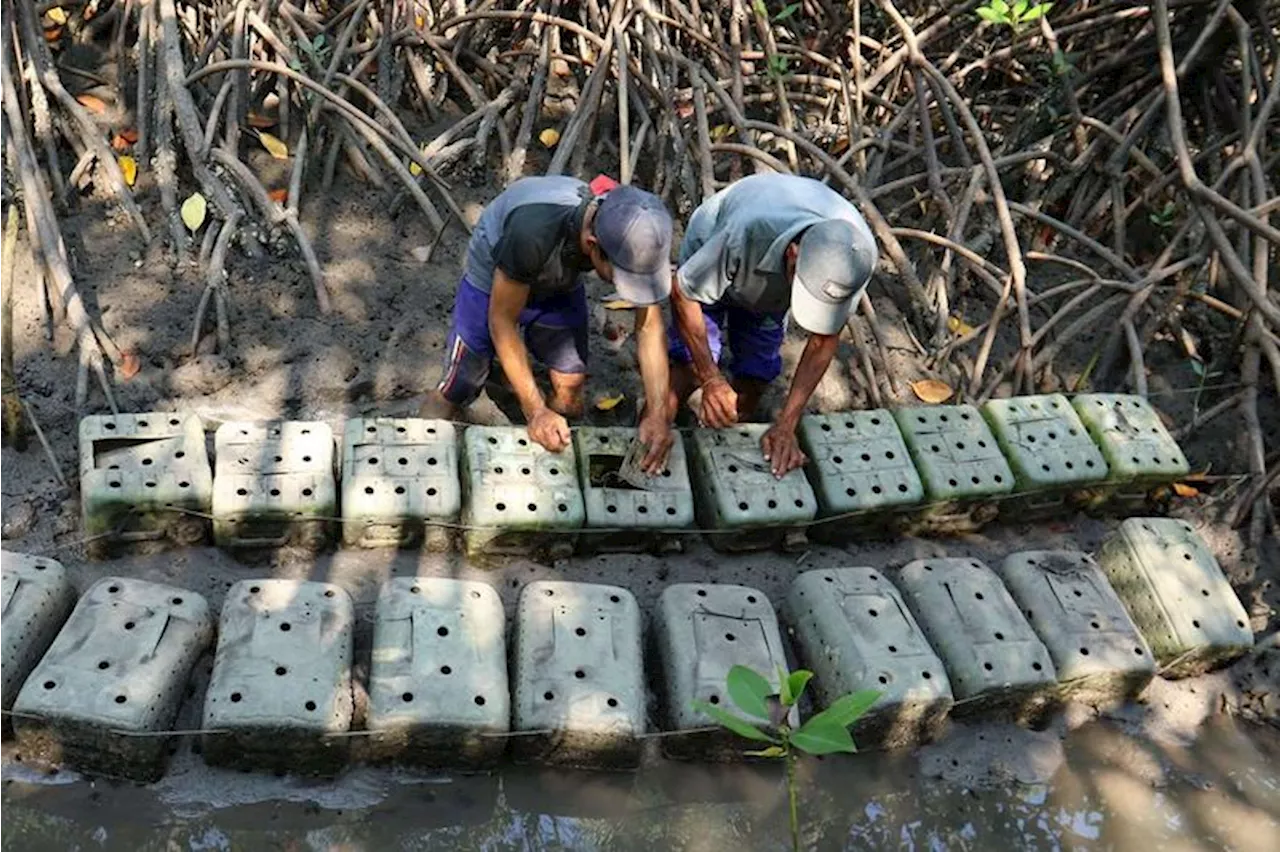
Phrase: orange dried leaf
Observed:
(119, 144)
(608, 403)
(1182, 489)
(93, 103)
(279, 195)
(53, 34)
(261, 121)
(684, 110)
(129, 365)
(129, 134)
(932, 391)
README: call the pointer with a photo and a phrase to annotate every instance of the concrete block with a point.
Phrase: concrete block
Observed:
(858, 465)
(612, 502)
(273, 484)
(702, 631)
(959, 462)
(280, 694)
(737, 492)
(995, 661)
(520, 498)
(438, 691)
(134, 470)
(1048, 449)
(579, 676)
(1132, 438)
(38, 597)
(115, 675)
(399, 476)
(854, 631)
(1177, 594)
(1098, 653)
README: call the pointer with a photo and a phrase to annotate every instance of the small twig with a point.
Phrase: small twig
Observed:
(44, 442)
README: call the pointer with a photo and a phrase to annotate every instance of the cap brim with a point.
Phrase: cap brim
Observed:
(816, 316)
(641, 288)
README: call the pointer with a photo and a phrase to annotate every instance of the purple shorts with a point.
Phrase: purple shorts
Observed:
(755, 340)
(555, 331)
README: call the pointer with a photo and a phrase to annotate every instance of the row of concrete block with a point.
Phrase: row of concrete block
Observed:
(409, 481)
(937, 636)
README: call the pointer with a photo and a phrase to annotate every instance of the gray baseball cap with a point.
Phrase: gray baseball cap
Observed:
(634, 230)
(832, 270)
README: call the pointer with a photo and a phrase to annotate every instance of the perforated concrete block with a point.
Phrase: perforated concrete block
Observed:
(579, 679)
(37, 599)
(1048, 449)
(273, 484)
(135, 469)
(858, 464)
(994, 660)
(400, 482)
(959, 461)
(115, 675)
(1097, 651)
(736, 491)
(280, 693)
(438, 685)
(702, 631)
(853, 631)
(1134, 441)
(613, 503)
(518, 497)
(1172, 586)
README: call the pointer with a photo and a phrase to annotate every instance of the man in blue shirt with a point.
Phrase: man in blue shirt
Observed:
(766, 247)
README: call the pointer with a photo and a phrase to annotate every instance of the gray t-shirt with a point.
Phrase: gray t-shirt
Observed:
(734, 246)
(530, 232)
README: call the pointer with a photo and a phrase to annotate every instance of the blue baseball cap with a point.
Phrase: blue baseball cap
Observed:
(634, 230)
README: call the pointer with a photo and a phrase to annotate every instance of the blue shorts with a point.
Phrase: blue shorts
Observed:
(755, 340)
(555, 331)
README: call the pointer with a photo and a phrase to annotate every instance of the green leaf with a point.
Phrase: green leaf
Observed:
(760, 9)
(1019, 7)
(795, 684)
(1036, 11)
(1197, 367)
(749, 689)
(823, 736)
(740, 727)
(989, 16)
(1000, 7)
(787, 12)
(847, 709)
(771, 751)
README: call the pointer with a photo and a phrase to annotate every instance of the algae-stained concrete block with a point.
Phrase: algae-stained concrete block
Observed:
(1134, 441)
(579, 679)
(273, 484)
(115, 674)
(612, 502)
(1098, 653)
(859, 465)
(1048, 449)
(853, 631)
(518, 497)
(438, 691)
(280, 697)
(1177, 594)
(37, 599)
(995, 661)
(702, 631)
(737, 492)
(959, 461)
(135, 470)
(400, 482)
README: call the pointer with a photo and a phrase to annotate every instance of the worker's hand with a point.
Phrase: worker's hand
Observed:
(782, 449)
(657, 437)
(549, 429)
(719, 404)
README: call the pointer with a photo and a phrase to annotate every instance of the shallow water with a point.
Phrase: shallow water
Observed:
(1112, 790)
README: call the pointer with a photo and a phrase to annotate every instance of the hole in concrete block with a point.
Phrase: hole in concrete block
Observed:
(310, 705)
(1138, 651)
(479, 700)
(926, 675)
(872, 613)
(120, 699)
(446, 670)
(523, 442)
(431, 492)
(275, 492)
(715, 699)
(177, 601)
(306, 458)
(549, 696)
(866, 457)
(988, 666)
(799, 504)
(999, 479)
(999, 636)
(285, 626)
(548, 592)
(501, 507)
(978, 596)
(581, 631)
(1037, 666)
(49, 684)
(1095, 625)
(952, 482)
(1084, 652)
(129, 625)
(150, 484)
(826, 427)
(743, 506)
(279, 458)
(103, 665)
(493, 440)
(371, 429)
(235, 697)
(883, 679)
(893, 649)
(406, 697)
(837, 459)
(373, 459)
(876, 489)
(442, 631)
(533, 507)
(242, 491)
(751, 598)
(1195, 623)
(281, 671)
(729, 637)
(400, 489)
(702, 593)
(612, 702)
(113, 589)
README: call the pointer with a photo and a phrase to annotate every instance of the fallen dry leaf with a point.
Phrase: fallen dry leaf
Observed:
(53, 34)
(56, 15)
(193, 211)
(279, 196)
(129, 168)
(958, 326)
(93, 103)
(560, 67)
(119, 144)
(129, 365)
(684, 110)
(932, 391)
(549, 137)
(609, 403)
(618, 305)
(840, 145)
(274, 146)
(1182, 489)
(260, 122)
(721, 131)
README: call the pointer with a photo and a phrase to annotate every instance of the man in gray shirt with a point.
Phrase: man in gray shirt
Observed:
(522, 293)
(765, 247)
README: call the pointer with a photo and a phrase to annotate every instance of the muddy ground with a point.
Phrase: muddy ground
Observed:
(379, 351)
